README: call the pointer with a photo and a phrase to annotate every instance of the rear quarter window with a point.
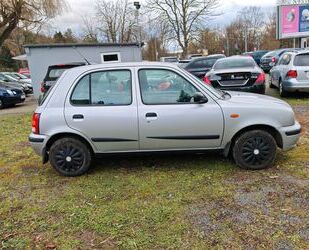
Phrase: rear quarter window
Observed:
(301, 60)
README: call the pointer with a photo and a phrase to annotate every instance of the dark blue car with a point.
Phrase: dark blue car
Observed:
(10, 96)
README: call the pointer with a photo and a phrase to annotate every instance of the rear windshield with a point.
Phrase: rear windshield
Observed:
(56, 73)
(301, 60)
(273, 53)
(234, 63)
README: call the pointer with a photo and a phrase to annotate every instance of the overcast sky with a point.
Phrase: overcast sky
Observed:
(72, 18)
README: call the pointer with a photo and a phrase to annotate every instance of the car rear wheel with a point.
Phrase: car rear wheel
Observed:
(70, 157)
(1, 104)
(282, 92)
(255, 150)
(271, 83)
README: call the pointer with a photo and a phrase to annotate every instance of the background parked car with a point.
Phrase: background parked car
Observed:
(271, 58)
(256, 55)
(54, 72)
(9, 96)
(16, 84)
(25, 72)
(20, 78)
(237, 73)
(291, 73)
(169, 59)
(201, 65)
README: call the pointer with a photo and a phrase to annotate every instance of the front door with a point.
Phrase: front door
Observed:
(103, 108)
(170, 119)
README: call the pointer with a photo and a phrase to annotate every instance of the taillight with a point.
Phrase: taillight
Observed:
(260, 79)
(206, 80)
(36, 123)
(292, 74)
(42, 87)
(273, 59)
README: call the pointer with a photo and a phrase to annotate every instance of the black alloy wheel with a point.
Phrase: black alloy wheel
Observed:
(255, 150)
(70, 157)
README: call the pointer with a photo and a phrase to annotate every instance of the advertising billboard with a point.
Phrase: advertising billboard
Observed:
(293, 21)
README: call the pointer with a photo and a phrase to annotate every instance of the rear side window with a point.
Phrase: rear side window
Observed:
(104, 88)
(301, 60)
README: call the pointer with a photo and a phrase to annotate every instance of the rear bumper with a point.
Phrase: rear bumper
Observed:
(290, 135)
(266, 66)
(38, 143)
(259, 88)
(292, 85)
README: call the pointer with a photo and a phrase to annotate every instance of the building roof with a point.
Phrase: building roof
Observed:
(59, 45)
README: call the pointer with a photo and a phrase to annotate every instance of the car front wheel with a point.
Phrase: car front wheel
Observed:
(70, 157)
(255, 150)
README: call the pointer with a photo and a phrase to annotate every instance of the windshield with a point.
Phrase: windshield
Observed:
(20, 76)
(234, 63)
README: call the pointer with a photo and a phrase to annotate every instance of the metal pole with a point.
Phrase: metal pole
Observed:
(246, 40)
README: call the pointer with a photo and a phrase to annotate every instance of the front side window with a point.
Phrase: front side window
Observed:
(160, 86)
(104, 88)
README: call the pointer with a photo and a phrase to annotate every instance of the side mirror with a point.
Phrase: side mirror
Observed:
(200, 98)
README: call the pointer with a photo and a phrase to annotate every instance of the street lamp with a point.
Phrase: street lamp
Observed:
(139, 37)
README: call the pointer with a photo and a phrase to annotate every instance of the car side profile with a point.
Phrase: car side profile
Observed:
(155, 107)
(291, 73)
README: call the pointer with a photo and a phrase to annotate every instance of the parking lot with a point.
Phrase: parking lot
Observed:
(179, 201)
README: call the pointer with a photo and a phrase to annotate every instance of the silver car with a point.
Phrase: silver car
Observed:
(291, 73)
(153, 107)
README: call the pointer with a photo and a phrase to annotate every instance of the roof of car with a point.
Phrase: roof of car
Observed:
(123, 65)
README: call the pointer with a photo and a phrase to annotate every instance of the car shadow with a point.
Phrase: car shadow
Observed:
(167, 161)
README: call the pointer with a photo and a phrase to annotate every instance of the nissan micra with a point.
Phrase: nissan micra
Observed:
(154, 107)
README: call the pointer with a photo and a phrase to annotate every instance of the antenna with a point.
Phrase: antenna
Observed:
(82, 56)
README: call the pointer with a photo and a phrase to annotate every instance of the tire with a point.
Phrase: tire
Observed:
(1, 104)
(255, 150)
(271, 83)
(70, 157)
(282, 92)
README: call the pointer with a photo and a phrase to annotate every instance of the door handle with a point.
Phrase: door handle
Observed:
(78, 117)
(151, 115)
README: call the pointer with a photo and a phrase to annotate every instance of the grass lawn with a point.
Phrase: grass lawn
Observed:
(184, 201)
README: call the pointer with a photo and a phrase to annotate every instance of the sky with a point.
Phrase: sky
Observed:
(72, 18)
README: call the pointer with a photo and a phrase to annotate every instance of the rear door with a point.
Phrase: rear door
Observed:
(169, 119)
(103, 108)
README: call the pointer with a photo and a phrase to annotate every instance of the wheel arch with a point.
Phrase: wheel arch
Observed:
(58, 136)
(270, 129)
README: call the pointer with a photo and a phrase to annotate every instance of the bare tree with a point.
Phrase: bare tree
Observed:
(184, 17)
(25, 12)
(90, 30)
(117, 19)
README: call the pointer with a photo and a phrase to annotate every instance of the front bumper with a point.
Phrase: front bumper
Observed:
(290, 136)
